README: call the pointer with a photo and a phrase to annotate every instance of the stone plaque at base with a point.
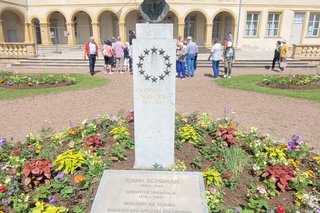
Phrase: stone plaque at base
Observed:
(150, 192)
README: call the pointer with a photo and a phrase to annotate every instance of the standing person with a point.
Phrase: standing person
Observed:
(130, 57)
(118, 48)
(230, 37)
(191, 52)
(107, 53)
(181, 61)
(283, 55)
(276, 56)
(91, 51)
(229, 57)
(215, 54)
(126, 63)
(132, 35)
(113, 61)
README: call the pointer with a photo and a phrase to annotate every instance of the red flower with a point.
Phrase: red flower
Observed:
(2, 188)
(280, 209)
(294, 147)
(228, 175)
(16, 152)
(213, 164)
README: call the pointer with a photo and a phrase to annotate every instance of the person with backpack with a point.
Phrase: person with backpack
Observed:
(107, 53)
(276, 57)
(229, 57)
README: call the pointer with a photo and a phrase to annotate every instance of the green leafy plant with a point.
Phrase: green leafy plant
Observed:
(37, 171)
(118, 153)
(281, 175)
(259, 205)
(68, 161)
(197, 162)
(67, 192)
(212, 177)
(122, 135)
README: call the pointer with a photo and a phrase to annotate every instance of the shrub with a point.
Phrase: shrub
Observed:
(37, 171)
(212, 177)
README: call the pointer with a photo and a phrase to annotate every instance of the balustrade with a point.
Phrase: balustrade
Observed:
(306, 52)
(17, 50)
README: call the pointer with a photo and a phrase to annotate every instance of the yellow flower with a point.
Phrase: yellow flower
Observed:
(293, 162)
(299, 197)
(310, 173)
(298, 204)
(37, 151)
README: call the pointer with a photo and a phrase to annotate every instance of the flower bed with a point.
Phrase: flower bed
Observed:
(27, 81)
(242, 171)
(291, 81)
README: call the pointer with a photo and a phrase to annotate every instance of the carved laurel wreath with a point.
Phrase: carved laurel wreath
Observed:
(167, 63)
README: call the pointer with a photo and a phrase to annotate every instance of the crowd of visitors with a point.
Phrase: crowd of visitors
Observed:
(118, 57)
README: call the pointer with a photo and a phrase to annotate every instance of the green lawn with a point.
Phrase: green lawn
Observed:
(83, 82)
(249, 82)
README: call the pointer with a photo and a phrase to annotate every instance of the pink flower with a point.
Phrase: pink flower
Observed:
(12, 171)
(71, 144)
(262, 190)
(224, 143)
(184, 120)
(213, 190)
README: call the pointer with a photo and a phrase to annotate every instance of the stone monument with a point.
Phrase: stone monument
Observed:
(154, 95)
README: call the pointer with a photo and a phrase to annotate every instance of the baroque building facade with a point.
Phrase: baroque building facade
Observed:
(253, 23)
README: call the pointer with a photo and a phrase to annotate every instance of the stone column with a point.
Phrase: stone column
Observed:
(71, 37)
(122, 32)
(27, 37)
(32, 33)
(1, 32)
(44, 27)
(181, 29)
(208, 43)
(96, 32)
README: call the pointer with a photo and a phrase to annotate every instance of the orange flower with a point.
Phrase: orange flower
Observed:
(78, 178)
(233, 125)
(72, 132)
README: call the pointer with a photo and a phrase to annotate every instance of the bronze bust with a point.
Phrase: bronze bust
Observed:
(154, 11)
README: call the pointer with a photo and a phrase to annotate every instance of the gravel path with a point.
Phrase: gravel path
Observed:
(281, 117)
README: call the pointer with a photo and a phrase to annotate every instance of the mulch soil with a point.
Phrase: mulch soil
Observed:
(293, 87)
(37, 86)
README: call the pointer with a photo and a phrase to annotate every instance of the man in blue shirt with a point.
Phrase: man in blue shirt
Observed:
(191, 52)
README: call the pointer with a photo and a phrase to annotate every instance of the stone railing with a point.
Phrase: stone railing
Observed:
(17, 50)
(306, 52)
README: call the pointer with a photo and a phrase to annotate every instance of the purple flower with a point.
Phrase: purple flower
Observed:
(10, 83)
(2, 141)
(59, 175)
(52, 199)
(5, 200)
(290, 145)
(237, 209)
(297, 139)
(10, 192)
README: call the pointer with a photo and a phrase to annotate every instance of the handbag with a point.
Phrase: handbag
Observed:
(283, 64)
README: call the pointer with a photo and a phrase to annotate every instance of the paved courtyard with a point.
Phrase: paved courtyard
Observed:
(281, 117)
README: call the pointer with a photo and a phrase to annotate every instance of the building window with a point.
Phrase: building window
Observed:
(252, 24)
(313, 26)
(189, 27)
(115, 25)
(215, 27)
(273, 24)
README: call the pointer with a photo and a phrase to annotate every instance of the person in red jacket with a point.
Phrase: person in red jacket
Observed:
(91, 51)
